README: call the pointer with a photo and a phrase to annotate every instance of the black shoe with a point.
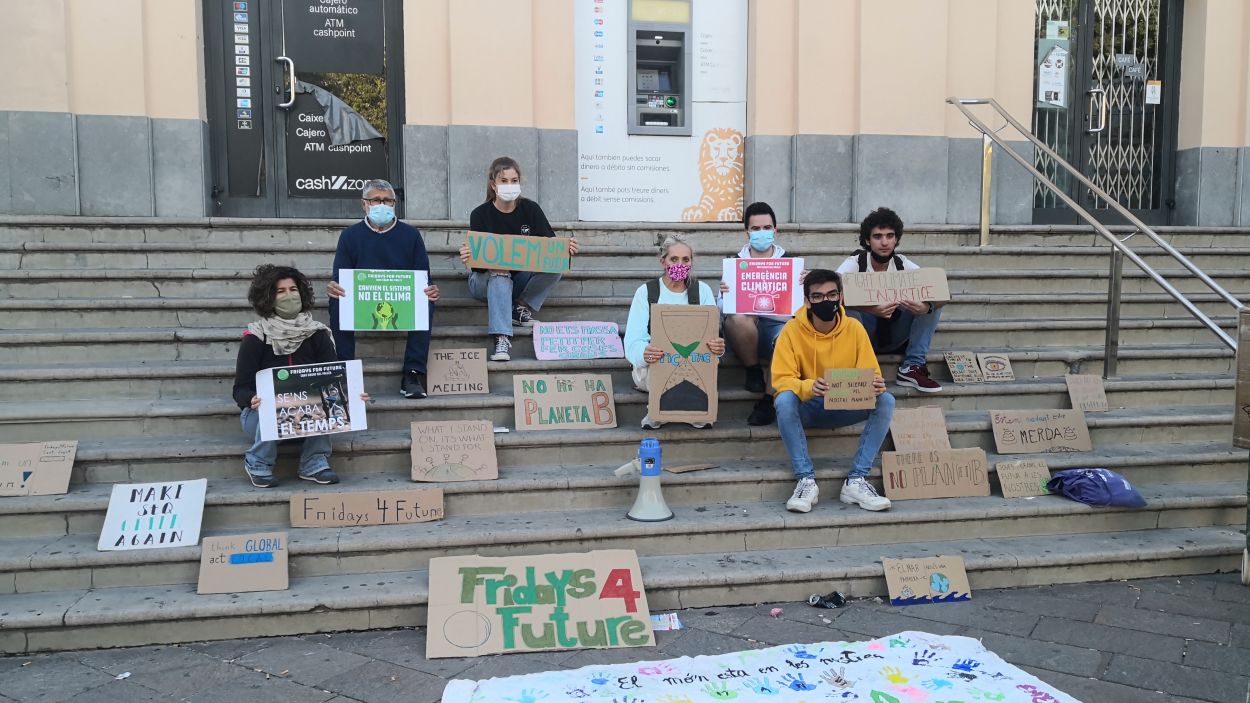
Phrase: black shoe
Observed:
(324, 477)
(755, 379)
(413, 385)
(763, 413)
(262, 481)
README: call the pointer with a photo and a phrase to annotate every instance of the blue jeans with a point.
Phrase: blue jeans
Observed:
(416, 351)
(907, 332)
(503, 292)
(769, 330)
(314, 456)
(793, 416)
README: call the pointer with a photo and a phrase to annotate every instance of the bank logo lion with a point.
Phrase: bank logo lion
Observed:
(720, 174)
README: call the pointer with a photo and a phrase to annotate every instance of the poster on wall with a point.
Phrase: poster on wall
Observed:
(649, 178)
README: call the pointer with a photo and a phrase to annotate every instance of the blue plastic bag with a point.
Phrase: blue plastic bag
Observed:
(1101, 487)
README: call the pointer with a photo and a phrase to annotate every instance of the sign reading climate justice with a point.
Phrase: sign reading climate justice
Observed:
(885, 287)
(516, 252)
(384, 300)
(762, 286)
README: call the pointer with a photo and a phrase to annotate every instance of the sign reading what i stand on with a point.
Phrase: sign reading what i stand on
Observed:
(153, 515)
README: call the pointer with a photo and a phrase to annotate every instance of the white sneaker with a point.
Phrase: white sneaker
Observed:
(503, 344)
(649, 424)
(700, 425)
(857, 491)
(806, 494)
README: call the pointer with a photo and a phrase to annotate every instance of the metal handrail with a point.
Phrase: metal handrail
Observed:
(1119, 250)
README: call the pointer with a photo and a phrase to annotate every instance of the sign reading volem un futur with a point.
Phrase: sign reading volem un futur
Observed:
(515, 252)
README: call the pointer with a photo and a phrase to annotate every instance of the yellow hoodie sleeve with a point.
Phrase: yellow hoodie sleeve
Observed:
(787, 369)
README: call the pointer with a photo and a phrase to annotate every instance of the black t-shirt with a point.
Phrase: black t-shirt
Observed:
(526, 218)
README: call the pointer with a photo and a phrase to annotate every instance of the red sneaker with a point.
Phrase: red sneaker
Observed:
(917, 377)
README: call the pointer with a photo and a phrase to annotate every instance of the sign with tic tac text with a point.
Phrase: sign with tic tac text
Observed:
(850, 389)
(1038, 431)
(935, 473)
(518, 252)
(363, 508)
(153, 515)
(682, 384)
(1023, 478)
(457, 372)
(762, 286)
(454, 450)
(884, 287)
(577, 340)
(244, 563)
(563, 401)
(36, 468)
(384, 300)
(940, 579)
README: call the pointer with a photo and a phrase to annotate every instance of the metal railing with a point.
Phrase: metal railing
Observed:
(1119, 250)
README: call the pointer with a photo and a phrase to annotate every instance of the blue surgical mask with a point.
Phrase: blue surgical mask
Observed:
(762, 239)
(381, 214)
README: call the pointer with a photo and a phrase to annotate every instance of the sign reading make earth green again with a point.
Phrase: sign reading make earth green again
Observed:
(383, 300)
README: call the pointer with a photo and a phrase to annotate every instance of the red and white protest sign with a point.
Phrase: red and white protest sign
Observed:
(763, 286)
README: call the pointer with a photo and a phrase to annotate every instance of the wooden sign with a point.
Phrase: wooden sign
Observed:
(577, 340)
(153, 515)
(850, 389)
(312, 399)
(563, 401)
(963, 367)
(940, 579)
(919, 429)
(492, 605)
(1026, 477)
(384, 300)
(1087, 393)
(1038, 431)
(516, 252)
(762, 286)
(995, 367)
(454, 450)
(361, 508)
(1241, 400)
(935, 473)
(457, 372)
(885, 287)
(244, 563)
(682, 385)
(36, 468)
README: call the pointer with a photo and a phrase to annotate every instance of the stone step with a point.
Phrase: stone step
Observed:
(93, 419)
(145, 615)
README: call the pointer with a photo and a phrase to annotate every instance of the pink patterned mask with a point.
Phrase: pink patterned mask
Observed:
(677, 272)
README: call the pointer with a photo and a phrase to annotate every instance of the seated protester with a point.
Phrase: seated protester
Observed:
(512, 297)
(285, 335)
(380, 241)
(906, 327)
(820, 337)
(752, 336)
(675, 287)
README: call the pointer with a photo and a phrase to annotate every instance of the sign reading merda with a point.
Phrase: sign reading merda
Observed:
(577, 340)
(963, 367)
(36, 468)
(1039, 431)
(762, 286)
(940, 579)
(517, 252)
(457, 372)
(935, 473)
(244, 563)
(153, 515)
(563, 401)
(485, 605)
(1087, 392)
(919, 428)
(1027, 477)
(850, 389)
(314, 399)
(885, 287)
(384, 300)
(454, 450)
(682, 384)
(364, 508)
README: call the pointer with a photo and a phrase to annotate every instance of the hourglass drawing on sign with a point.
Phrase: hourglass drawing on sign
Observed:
(683, 385)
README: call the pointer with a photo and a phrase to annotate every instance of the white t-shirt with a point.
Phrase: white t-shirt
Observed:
(851, 265)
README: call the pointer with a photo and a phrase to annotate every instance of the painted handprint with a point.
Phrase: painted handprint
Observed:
(800, 652)
(924, 658)
(936, 684)
(795, 682)
(658, 669)
(528, 695)
(719, 692)
(1038, 696)
(669, 698)
(899, 642)
(894, 675)
(837, 679)
(966, 665)
(762, 686)
(876, 646)
(912, 693)
(981, 694)
(883, 697)
(627, 699)
(598, 678)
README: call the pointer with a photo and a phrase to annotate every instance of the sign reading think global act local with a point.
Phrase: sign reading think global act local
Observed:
(384, 300)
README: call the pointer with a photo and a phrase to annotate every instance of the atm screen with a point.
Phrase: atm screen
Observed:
(666, 85)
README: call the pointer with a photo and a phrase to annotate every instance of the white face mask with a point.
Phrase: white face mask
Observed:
(508, 192)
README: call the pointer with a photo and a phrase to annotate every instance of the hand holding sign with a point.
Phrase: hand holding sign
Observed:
(515, 252)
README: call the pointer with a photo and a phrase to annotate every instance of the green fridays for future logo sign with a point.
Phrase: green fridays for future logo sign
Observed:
(384, 300)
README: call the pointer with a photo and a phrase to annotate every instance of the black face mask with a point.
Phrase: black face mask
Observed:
(826, 310)
(878, 258)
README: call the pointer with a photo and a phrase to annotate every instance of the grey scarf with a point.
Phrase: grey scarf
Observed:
(285, 336)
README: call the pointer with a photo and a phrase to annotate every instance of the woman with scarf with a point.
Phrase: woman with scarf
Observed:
(285, 335)
(675, 287)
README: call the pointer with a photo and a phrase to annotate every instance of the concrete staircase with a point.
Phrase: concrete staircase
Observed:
(122, 334)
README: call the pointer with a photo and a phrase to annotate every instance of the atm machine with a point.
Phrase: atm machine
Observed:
(660, 41)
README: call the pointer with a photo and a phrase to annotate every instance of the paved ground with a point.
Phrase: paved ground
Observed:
(1155, 640)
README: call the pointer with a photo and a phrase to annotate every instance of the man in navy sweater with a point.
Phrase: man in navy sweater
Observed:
(381, 241)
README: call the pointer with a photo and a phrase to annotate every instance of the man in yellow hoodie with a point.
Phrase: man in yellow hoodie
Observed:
(822, 337)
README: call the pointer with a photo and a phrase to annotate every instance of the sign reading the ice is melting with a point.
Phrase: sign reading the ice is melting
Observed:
(516, 252)
(314, 399)
(885, 287)
(762, 286)
(563, 401)
(458, 372)
(483, 605)
(384, 300)
(577, 340)
(153, 515)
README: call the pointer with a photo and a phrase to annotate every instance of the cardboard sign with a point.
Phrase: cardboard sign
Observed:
(384, 300)
(313, 399)
(885, 287)
(457, 372)
(963, 367)
(850, 389)
(762, 286)
(492, 605)
(995, 367)
(682, 384)
(935, 473)
(36, 468)
(919, 429)
(1026, 477)
(362, 508)
(153, 515)
(515, 252)
(244, 563)
(1087, 393)
(1241, 402)
(1038, 431)
(577, 340)
(929, 580)
(563, 401)
(454, 450)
